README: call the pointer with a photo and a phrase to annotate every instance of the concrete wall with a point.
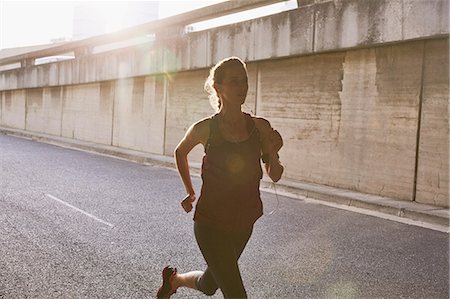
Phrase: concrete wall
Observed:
(433, 153)
(43, 106)
(350, 118)
(13, 111)
(87, 112)
(139, 114)
(360, 95)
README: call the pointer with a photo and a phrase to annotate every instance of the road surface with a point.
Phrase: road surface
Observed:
(79, 225)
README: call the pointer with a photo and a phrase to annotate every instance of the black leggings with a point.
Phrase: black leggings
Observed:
(221, 251)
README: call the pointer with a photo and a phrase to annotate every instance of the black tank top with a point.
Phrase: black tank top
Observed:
(231, 173)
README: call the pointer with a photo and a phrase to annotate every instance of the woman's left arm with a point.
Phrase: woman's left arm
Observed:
(271, 143)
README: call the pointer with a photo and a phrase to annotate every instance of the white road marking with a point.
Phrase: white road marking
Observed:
(79, 210)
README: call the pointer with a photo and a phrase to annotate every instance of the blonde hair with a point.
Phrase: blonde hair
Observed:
(216, 75)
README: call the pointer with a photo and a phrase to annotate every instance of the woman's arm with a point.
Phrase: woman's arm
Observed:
(194, 135)
(271, 143)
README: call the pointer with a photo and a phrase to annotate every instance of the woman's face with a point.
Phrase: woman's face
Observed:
(234, 86)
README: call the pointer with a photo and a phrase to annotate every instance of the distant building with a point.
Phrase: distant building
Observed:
(90, 17)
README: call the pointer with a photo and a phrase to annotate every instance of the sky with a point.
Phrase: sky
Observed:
(28, 23)
(25, 23)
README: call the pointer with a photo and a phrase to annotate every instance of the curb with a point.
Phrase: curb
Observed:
(436, 217)
(428, 214)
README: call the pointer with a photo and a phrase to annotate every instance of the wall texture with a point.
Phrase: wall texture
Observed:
(13, 111)
(139, 113)
(433, 140)
(360, 95)
(352, 117)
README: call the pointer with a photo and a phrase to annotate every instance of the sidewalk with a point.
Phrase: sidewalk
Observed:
(403, 211)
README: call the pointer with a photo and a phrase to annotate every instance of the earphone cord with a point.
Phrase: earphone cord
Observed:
(278, 200)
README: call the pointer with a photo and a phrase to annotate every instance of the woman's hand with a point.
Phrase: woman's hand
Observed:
(187, 202)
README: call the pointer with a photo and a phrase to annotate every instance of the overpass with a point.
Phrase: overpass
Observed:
(359, 90)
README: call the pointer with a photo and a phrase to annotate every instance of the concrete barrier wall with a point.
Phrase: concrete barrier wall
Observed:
(87, 112)
(13, 111)
(43, 110)
(433, 141)
(349, 119)
(139, 114)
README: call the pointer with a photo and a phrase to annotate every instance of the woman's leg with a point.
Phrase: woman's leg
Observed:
(221, 251)
(188, 279)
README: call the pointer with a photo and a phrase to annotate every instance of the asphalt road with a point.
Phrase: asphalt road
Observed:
(80, 225)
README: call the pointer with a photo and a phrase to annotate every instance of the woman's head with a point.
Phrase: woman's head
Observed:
(230, 71)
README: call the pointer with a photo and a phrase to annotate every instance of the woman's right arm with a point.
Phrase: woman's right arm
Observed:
(194, 135)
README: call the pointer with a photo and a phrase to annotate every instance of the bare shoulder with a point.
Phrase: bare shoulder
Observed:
(262, 124)
(200, 130)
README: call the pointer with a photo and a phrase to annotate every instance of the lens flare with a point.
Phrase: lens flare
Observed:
(345, 290)
(235, 163)
(307, 260)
